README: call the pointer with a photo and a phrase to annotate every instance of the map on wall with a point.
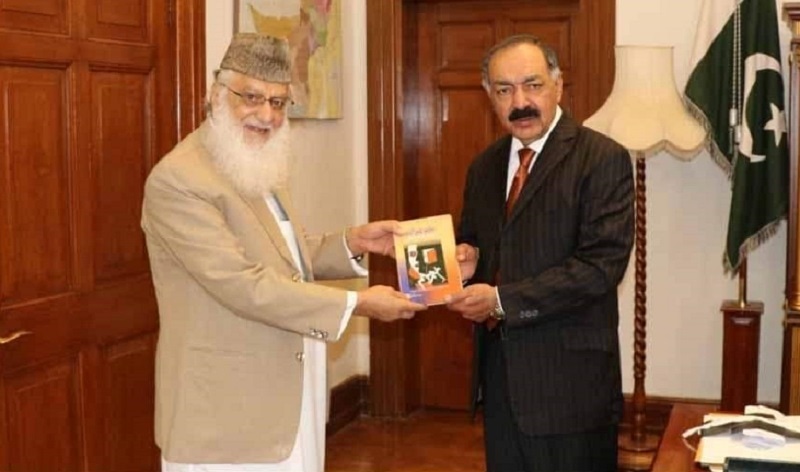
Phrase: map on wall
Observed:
(313, 30)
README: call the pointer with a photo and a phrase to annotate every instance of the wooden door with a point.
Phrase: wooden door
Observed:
(446, 121)
(88, 100)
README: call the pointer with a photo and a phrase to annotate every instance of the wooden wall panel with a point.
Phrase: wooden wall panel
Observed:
(87, 105)
(123, 20)
(43, 410)
(462, 109)
(790, 368)
(464, 44)
(35, 221)
(556, 31)
(42, 16)
(121, 151)
(128, 380)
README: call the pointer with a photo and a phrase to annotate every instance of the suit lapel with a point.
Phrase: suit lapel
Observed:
(267, 220)
(555, 149)
(498, 179)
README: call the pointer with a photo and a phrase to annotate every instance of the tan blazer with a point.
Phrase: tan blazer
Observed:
(233, 310)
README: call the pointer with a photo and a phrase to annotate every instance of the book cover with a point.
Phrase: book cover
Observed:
(427, 269)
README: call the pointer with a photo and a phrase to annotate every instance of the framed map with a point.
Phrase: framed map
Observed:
(313, 30)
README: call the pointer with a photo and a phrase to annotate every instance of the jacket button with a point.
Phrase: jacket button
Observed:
(300, 356)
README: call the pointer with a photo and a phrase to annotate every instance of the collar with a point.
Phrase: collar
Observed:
(537, 145)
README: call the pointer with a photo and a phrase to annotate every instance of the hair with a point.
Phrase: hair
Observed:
(221, 76)
(549, 54)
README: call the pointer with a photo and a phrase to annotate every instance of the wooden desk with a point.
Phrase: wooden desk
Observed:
(672, 454)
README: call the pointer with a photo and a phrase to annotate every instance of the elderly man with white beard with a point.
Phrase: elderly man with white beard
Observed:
(240, 362)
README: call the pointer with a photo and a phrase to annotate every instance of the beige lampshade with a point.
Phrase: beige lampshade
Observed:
(644, 112)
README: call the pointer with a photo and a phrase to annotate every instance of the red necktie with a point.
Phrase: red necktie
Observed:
(525, 158)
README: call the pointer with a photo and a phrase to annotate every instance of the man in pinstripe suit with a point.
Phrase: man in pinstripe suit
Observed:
(544, 265)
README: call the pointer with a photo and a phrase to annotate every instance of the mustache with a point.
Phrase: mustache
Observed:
(527, 112)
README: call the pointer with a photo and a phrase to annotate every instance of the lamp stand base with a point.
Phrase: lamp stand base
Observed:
(637, 454)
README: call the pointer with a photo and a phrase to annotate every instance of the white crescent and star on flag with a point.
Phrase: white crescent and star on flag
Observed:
(752, 65)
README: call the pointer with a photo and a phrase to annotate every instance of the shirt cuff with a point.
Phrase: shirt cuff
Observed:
(352, 299)
(499, 303)
(357, 268)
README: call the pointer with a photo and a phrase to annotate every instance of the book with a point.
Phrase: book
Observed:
(427, 269)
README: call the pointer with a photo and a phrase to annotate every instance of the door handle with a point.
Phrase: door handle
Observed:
(17, 335)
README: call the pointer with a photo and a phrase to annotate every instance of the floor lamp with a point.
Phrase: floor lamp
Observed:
(646, 115)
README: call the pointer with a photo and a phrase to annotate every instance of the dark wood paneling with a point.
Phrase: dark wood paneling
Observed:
(790, 368)
(128, 383)
(35, 220)
(121, 20)
(348, 401)
(790, 365)
(557, 32)
(44, 418)
(392, 344)
(464, 44)
(445, 359)
(83, 120)
(190, 82)
(467, 125)
(740, 341)
(43, 16)
(594, 30)
(121, 153)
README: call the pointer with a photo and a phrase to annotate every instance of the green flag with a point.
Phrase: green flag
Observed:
(737, 65)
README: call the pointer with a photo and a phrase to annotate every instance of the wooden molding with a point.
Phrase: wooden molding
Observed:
(190, 80)
(790, 379)
(348, 402)
(390, 363)
(790, 375)
(657, 410)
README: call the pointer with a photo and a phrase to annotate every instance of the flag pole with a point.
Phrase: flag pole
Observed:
(743, 283)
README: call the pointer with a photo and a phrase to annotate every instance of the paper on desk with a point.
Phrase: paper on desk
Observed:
(714, 449)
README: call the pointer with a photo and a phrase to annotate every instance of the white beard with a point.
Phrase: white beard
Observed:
(254, 169)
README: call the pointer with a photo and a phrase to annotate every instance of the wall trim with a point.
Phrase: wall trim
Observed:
(348, 401)
(657, 410)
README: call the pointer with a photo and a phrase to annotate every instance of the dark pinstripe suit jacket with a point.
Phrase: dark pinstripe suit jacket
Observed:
(560, 256)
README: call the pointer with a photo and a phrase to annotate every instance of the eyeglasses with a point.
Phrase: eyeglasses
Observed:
(255, 100)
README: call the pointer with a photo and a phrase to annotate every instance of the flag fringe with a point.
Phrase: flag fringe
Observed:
(718, 156)
(750, 244)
